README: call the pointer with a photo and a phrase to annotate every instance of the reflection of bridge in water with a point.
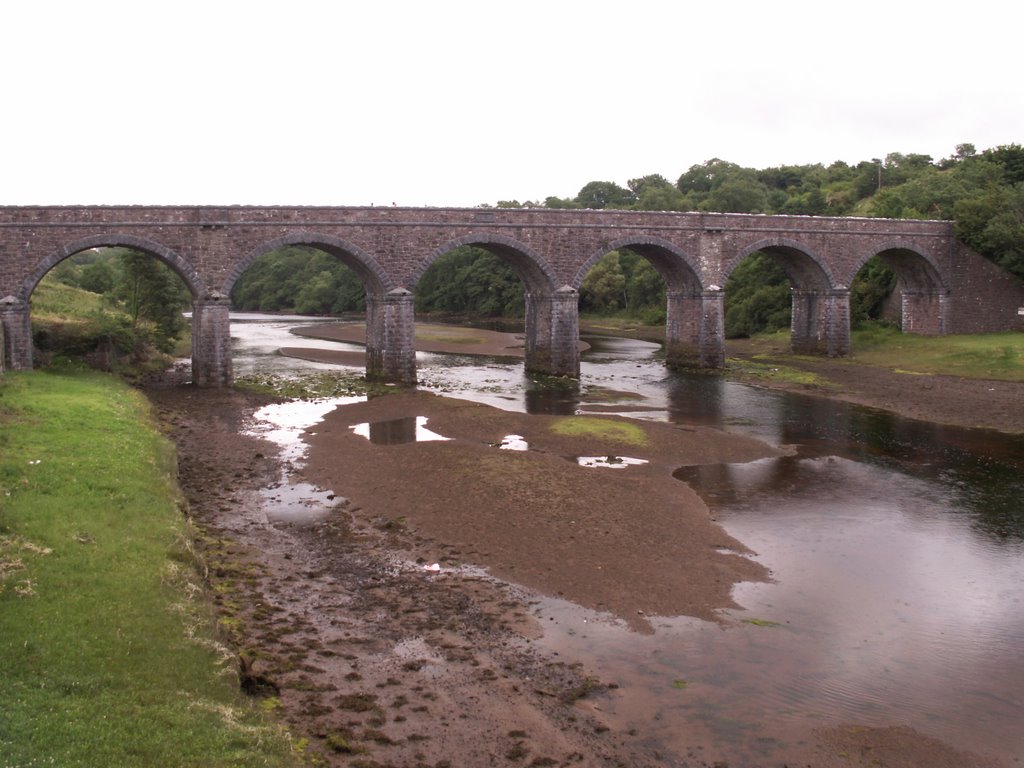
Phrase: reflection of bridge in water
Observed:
(945, 287)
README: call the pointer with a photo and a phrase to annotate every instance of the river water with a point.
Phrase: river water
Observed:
(896, 550)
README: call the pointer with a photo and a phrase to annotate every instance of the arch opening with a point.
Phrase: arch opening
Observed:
(119, 308)
(476, 283)
(916, 301)
(653, 283)
(874, 300)
(778, 284)
(300, 302)
(493, 280)
(634, 282)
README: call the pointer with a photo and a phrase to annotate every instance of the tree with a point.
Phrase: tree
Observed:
(661, 198)
(757, 297)
(1011, 159)
(151, 291)
(604, 287)
(872, 285)
(605, 194)
(703, 178)
(738, 192)
(560, 202)
(993, 224)
(300, 279)
(471, 280)
(98, 277)
(650, 181)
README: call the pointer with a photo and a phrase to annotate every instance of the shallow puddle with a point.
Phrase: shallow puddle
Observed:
(291, 501)
(410, 429)
(514, 443)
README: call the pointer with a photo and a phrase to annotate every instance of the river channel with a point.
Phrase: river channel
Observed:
(896, 550)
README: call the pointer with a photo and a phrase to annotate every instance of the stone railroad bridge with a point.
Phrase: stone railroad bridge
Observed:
(944, 286)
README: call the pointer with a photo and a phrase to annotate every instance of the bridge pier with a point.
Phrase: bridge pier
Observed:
(391, 336)
(211, 342)
(695, 329)
(821, 322)
(15, 335)
(552, 333)
(925, 313)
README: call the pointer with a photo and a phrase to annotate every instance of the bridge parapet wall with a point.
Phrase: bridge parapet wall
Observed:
(212, 240)
(948, 287)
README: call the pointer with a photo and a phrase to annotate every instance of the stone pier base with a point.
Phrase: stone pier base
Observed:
(211, 342)
(391, 337)
(695, 330)
(552, 333)
(821, 322)
(15, 335)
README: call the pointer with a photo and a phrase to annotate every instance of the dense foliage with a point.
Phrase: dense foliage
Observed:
(471, 281)
(299, 279)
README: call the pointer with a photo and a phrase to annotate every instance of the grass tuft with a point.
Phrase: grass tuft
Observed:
(596, 427)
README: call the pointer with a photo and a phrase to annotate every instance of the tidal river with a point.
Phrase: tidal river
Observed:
(896, 550)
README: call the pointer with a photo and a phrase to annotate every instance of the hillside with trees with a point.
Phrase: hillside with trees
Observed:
(118, 307)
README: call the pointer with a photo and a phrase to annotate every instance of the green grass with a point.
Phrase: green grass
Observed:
(55, 301)
(597, 427)
(746, 368)
(981, 356)
(108, 656)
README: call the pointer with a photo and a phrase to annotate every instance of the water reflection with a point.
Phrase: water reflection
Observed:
(290, 500)
(514, 443)
(409, 429)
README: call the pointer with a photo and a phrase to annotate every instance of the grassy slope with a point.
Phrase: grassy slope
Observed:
(107, 653)
(55, 301)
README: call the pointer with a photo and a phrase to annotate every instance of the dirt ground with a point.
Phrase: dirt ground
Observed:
(374, 660)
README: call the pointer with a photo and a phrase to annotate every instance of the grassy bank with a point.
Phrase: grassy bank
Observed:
(998, 356)
(107, 652)
(981, 356)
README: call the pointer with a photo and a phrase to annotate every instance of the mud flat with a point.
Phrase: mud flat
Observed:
(380, 659)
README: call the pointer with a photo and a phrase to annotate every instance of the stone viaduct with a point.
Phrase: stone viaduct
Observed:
(944, 286)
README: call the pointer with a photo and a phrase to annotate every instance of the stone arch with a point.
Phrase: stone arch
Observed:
(374, 277)
(552, 333)
(182, 267)
(920, 282)
(531, 268)
(916, 269)
(680, 271)
(806, 269)
(693, 311)
(820, 307)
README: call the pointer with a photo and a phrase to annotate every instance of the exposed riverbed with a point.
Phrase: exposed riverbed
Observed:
(895, 550)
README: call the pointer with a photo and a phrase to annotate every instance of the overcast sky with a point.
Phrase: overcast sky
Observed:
(464, 103)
